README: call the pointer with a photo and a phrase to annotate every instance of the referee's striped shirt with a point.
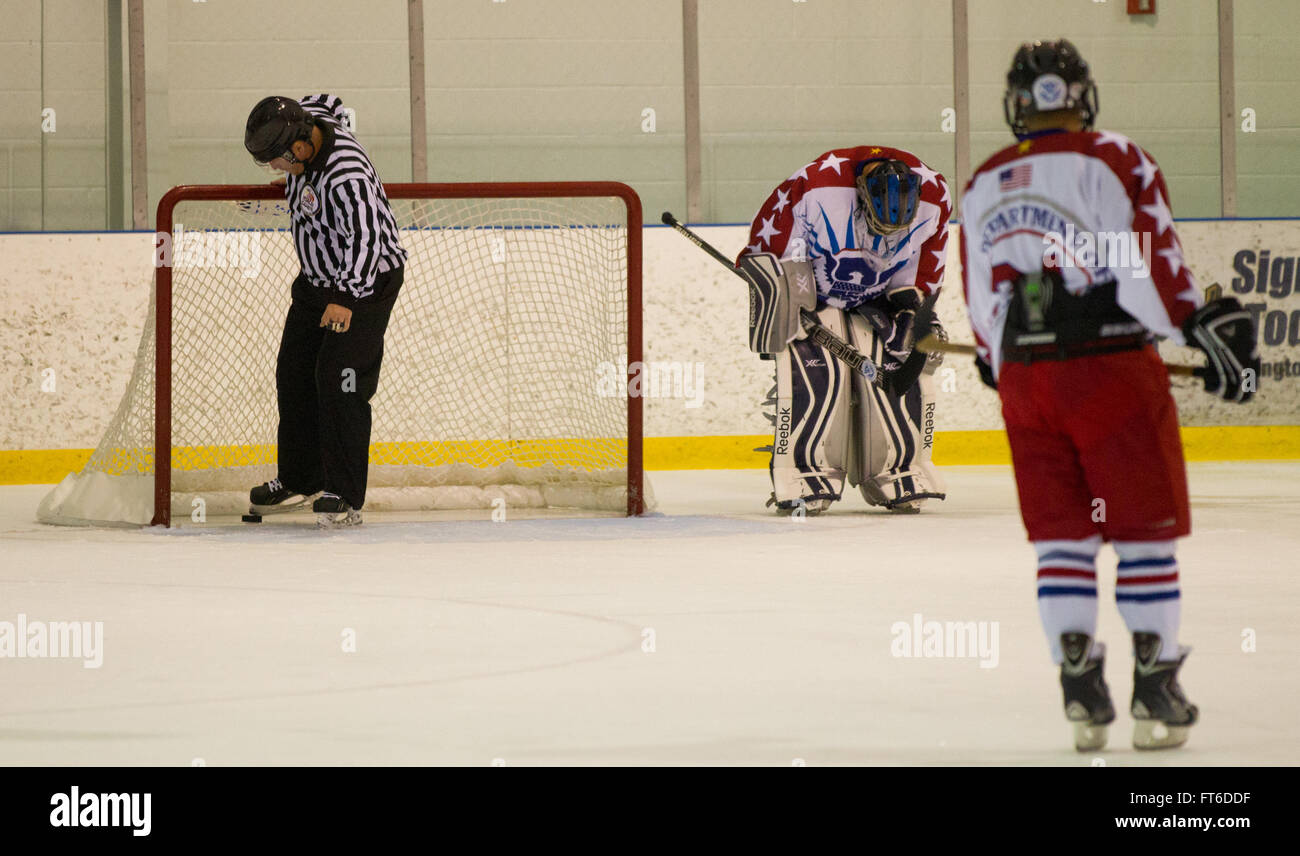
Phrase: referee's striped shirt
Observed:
(343, 226)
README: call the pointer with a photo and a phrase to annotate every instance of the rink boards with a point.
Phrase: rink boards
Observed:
(73, 345)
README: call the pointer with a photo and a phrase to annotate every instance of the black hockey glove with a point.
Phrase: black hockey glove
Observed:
(1227, 335)
(902, 305)
(986, 373)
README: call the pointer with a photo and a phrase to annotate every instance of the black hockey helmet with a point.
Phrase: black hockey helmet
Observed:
(275, 124)
(889, 193)
(1047, 76)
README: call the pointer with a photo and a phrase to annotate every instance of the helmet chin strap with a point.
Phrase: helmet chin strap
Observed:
(289, 157)
(293, 159)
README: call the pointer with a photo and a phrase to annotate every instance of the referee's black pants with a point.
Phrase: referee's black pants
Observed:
(324, 382)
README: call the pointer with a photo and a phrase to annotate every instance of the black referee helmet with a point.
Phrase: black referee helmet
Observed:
(275, 124)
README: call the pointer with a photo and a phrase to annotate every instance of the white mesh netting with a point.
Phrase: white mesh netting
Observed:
(512, 312)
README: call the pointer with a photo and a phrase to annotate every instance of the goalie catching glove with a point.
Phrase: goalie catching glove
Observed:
(1227, 335)
(778, 294)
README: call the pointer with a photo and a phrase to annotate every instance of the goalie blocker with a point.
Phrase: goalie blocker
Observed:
(778, 295)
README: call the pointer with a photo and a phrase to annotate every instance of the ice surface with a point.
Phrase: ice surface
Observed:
(524, 640)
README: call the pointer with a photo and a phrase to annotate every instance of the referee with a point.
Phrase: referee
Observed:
(333, 342)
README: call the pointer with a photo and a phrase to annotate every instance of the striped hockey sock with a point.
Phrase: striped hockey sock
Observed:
(1067, 589)
(1147, 591)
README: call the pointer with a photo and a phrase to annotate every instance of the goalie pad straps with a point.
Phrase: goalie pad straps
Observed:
(777, 294)
(812, 406)
(830, 422)
(894, 436)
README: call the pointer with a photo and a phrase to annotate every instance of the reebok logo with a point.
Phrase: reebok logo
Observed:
(783, 432)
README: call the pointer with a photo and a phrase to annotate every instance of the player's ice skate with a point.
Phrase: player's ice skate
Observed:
(333, 511)
(274, 497)
(1162, 714)
(1087, 698)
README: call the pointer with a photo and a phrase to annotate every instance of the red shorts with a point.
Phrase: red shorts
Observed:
(1096, 428)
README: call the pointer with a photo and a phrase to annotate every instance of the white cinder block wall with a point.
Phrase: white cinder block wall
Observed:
(558, 89)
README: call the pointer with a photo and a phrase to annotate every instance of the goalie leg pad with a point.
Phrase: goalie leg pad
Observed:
(812, 420)
(895, 434)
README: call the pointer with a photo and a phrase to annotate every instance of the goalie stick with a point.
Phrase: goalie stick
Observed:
(897, 381)
(928, 342)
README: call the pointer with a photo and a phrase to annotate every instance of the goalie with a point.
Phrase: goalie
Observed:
(857, 239)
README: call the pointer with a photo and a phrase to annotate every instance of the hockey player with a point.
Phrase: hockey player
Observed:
(333, 343)
(1071, 263)
(858, 237)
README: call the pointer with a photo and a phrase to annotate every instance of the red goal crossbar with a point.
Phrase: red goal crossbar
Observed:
(488, 190)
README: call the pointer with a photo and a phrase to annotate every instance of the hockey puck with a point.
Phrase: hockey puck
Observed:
(252, 518)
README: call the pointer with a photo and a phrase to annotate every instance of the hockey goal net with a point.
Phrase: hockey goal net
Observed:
(505, 361)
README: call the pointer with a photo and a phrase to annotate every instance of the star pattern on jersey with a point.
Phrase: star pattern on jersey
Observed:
(1145, 168)
(1159, 212)
(1190, 294)
(1110, 138)
(927, 175)
(780, 228)
(1174, 257)
(832, 162)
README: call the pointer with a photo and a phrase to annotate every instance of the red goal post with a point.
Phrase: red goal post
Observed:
(164, 343)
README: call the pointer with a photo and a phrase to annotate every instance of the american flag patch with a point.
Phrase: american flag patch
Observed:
(1016, 177)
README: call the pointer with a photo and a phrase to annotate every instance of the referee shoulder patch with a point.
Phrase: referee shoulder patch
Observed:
(308, 201)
